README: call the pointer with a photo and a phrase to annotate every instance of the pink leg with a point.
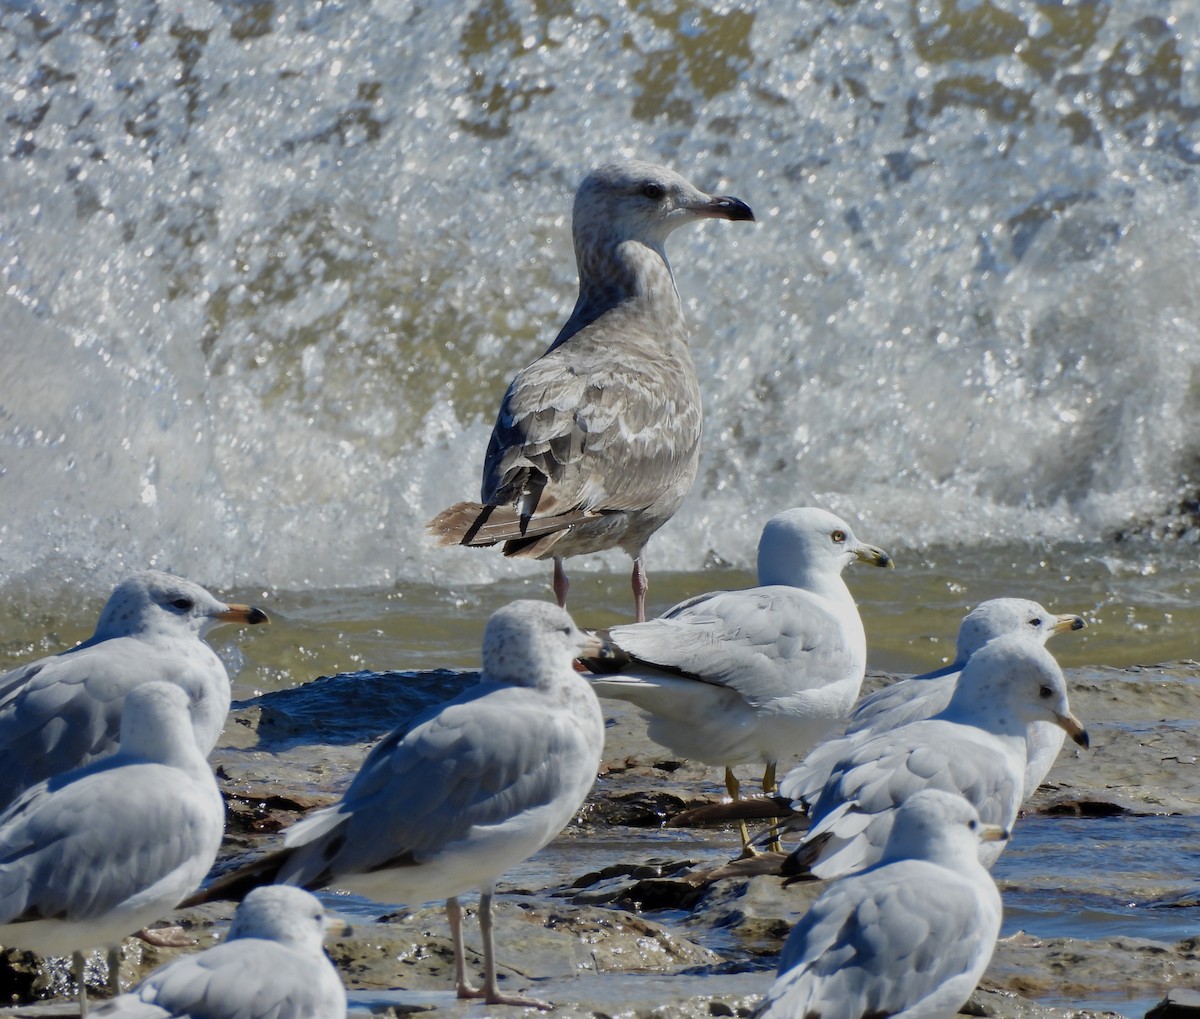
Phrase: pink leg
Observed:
(640, 586)
(561, 584)
(462, 985)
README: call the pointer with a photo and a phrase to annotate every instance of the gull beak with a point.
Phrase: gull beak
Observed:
(724, 207)
(336, 927)
(243, 614)
(874, 556)
(1063, 624)
(993, 833)
(1074, 728)
(598, 653)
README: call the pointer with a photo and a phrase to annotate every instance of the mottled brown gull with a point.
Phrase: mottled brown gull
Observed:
(597, 442)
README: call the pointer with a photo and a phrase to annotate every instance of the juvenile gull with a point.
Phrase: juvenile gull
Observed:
(597, 442)
(909, 937)
(467, 790)
(91, 856)
(61, 712)
(271, 965)
(975, 747)
(924, 696)
(757, 675)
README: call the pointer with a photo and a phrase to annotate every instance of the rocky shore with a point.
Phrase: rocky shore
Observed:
(621, 916)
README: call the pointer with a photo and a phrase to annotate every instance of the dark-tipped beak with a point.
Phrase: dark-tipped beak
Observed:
(1064, 623)
(992, 833)
(247, 614)
(875, 556)
(726, 207)
(599, 654)
(1074, 728)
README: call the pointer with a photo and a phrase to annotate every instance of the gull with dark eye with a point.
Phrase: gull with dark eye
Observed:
(64, 711)
(597, 442)
(753, 676)
(976, 747)
(909, 937)
(924, 696)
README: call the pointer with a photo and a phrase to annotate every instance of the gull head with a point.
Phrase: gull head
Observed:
(934, 824)
(637, 201)
(801, 544)
(152, 602)
(534, 643)
(281, 913)
(999, 616)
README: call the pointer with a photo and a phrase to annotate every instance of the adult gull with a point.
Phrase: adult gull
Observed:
(909, 700)
(61, 712)
(911, 936)
(754, 675)
(93, 855)
(271, 965)
(597, 442)
(463, 792)
(975, 747)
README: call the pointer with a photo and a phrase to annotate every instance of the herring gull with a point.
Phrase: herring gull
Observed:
(597, 442)
(976, 747)
(755, 675)
(63, 711)
(909, 937)
(463, 792)
(89, 857)
(924, 696)
(271, 965)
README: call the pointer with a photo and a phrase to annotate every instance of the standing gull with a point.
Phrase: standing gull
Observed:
(91, 856)
(61, 712)
(975, 747)
(910, 700)
(909, 937)
(467, 790)
(757, 675)
(597, 442)
(271, 965)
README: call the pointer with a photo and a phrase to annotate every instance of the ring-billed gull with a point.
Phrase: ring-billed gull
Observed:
(975, 747)
(924, 696)
(909, 937)
(61, 712)
(93, 855)
(465, 791)
(271, 965)
(597, 442)
(756, 675)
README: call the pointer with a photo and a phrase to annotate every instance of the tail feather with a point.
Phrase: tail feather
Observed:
(479, 526)
(236, 884)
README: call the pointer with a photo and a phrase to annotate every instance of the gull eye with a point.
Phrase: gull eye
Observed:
(838, 537)
(1036, 622)
(653, 191)
(183, 604)
(1045, 692)
(973, 824)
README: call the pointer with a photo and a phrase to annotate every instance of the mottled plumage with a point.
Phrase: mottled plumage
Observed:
(61, 712)
(271, 965)
(910, 937)
(596, 443)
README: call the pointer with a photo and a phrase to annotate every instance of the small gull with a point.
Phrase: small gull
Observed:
(924, 696)
(62, 712)
(465, 791)
(597, 442)
(271, 965)
(975, 747)
(909, 937)
(93, 855)
(756, 675)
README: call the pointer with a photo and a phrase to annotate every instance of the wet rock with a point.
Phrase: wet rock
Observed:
(1179, 1003)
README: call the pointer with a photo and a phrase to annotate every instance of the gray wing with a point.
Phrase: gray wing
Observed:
(598, 423)
(250, 978)
(764, 643)
(883, 942)
(80, 849)
(63, 712)
(907, 700)
(475, 762)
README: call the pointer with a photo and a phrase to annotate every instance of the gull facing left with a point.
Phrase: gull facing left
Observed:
(462, 793)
